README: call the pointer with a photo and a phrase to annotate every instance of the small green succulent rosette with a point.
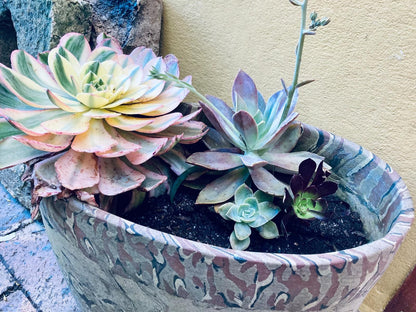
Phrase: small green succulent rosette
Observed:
(250, 210)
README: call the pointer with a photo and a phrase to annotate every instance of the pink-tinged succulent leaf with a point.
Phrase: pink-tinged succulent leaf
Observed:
(160, 123)
(129, 98)
(213, 140)
(176, 160)
(275, 132)
(190, 131)
(154, 88)
(247, 127)
(228, 131)
(87, 197)
(170, 99)
(221, 106)
(66, 104)
(266, 182)
(77, 45)
(275, 107)
(170, 143)
(116, 177)
(142, 55)
(129, 123)
(100, 114)
(13, 153)
(136, 109)
(25, 64)
(72, 124)
(77, 170)
(30, 121)
(46, 142)
(289, 162)
(215, 160)
(287, 141)
(123, 146)
(171, 65)
(223, 188)
(7, 130)
(45, 179)
(95, 139)
(252, 160)
(25, 89)
(149, 147)
(65, 71)
(106, 41)
(152, 179)
(244, 93)
(156, 63)
(188, 117)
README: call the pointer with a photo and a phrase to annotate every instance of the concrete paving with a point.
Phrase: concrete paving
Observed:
(30, 279)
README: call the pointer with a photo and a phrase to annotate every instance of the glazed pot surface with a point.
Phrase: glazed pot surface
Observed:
(112, 264)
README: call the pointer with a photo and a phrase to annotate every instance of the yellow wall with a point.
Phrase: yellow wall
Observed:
(364, 64)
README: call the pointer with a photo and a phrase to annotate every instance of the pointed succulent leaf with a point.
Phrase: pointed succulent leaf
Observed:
(215, 160)
(247, 127)
(327, 188)
(252, 160)
(287, 142)
(221, 106)
(223, 188)
(77, 45)
(239, 244)
(224, 208)
(214, 140)
(269, 230)
(233, 213)
(307, 169)
(297, 184)
(245, 93)
(289, 162)
(266, 182)
(263, 197)
(261, 102)
(268, 210)
(242, 193)
(13, 152)
(242, 231)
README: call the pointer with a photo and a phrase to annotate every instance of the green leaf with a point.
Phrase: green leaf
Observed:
(14, 153)
(239, 244)
(64, 72)
(223, 188)
(268, 210)
(269, 230)
(242, 193)
(242, 231)
(77, 45)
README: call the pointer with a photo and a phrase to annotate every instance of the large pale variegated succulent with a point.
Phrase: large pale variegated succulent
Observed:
(97, 110)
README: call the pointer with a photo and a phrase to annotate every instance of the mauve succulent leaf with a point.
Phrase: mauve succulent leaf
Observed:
(247, 127)
(72, 124)
(261, 103)
(128, 123)
(77, 170)
(289, 162)
(252, 160)
(244, 93)
(269, 230)
(69, 105)
(170, 143)
(95, 139)
(221, 106)
(25, 64)
(149, 147)
(7, 130)
(266, 182)
(152, 179)
(215, 160)
(229, 132)
(274, 107)
(160, 123)
(276, 131)
(239, 244)
(116, 177)
(242, 193)
(64, 72)
(24, 89)
(223, 209)
(142, 55)
(214, 140)
(287, 141)
(189, 116)
(13, 153)
(223, 188)
(30, 121)
(242, 231)
(47, 142)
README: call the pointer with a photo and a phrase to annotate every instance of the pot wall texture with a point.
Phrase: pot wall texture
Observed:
(363, 64)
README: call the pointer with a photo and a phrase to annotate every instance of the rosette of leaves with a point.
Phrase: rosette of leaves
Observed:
(261, 136)
(307, 190)
(250, 211)
(98, 110)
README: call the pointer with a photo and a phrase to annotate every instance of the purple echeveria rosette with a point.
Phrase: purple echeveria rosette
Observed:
(115, 265)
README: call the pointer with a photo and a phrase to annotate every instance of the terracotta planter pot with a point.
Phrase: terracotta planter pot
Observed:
(115, 265)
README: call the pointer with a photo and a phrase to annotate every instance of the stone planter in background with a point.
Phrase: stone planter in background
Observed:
(113, 264)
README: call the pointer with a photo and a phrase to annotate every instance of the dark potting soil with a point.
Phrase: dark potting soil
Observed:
(341, 229)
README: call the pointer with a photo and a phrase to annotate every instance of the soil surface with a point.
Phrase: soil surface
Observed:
(342, 229)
